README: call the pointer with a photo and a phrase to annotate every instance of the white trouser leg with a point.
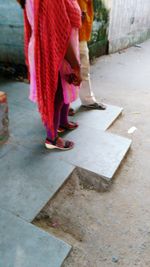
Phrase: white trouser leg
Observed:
(86, 95)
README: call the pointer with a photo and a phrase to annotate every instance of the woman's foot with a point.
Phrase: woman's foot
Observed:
(59, 143)
(68, 127)
(98, 106)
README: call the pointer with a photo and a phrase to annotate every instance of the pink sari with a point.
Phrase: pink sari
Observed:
(30, 15)
(70, 92)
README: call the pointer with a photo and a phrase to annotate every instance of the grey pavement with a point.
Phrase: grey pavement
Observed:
(24, 245)
(30, 175)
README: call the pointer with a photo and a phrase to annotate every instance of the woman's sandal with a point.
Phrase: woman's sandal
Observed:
(98, 106)
(59, 143)
(70, 126)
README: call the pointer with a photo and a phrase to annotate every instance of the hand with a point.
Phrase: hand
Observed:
(74, 78)
(77, 79)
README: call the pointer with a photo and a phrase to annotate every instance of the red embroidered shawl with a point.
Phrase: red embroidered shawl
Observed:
(54, 20)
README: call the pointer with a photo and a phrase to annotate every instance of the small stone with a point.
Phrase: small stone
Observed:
(115, 259)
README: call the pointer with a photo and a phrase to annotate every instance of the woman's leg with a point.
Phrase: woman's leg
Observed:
(57, 110)
(86, 93)
(64, 114)
(64, 123)
(55, 141)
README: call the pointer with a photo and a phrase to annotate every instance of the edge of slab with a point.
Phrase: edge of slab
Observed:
(99, 119)
(100, 183)
(120, 110)
(37, 245)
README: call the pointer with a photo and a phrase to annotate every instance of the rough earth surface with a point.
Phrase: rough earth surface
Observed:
(112, 228)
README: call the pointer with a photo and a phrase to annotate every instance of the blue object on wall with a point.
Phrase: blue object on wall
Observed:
(11, 32)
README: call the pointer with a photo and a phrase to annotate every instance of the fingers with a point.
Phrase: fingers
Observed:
(74, 79)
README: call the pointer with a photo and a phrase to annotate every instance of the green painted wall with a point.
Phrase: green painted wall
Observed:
(99, 41)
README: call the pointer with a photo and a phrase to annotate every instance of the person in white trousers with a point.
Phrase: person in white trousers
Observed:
(86, 94)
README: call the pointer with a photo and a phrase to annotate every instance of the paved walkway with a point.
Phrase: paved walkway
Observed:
(30, 175)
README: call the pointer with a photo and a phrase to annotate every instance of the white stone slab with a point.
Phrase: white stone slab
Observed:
(29, 179)
(98, 119)
(24, 245)
(97, 151)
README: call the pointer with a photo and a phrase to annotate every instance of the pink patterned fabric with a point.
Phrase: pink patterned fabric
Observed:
(31, 59)
(70, 92)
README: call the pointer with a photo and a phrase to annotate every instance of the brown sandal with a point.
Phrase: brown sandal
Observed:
(70, 126)
(59, 143)
(98, 106)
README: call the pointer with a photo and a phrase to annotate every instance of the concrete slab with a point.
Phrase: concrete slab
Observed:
(24, 245)
(15, 90)
(26, 125)
(18, 115)
(96, 151)
(28, 180)
(103, 152)
(98, 119)
(4, 149)
(18, 101)
(17, 93)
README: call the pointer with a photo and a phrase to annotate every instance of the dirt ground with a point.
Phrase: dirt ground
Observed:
(112, 228)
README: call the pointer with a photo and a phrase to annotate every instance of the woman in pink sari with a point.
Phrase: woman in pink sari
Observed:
(68, 72)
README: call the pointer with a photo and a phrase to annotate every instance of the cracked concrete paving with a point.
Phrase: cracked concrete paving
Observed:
(113, 228)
